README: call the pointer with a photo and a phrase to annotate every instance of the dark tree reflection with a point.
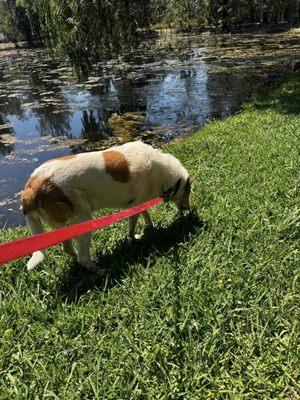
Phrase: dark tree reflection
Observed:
(93, 126)
(5, 148)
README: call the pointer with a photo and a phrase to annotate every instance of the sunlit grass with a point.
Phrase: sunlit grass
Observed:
(205, 307)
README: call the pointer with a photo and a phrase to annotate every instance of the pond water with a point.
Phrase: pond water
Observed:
(168, 87)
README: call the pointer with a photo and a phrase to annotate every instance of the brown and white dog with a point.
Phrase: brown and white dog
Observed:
(67, 190)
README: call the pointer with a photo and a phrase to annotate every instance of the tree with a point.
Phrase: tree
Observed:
(91, 29)
(9, 23)
(33, 15)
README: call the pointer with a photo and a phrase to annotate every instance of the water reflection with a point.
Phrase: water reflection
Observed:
(93, 126)
(6, 137)
(6, 149)
(170, 85)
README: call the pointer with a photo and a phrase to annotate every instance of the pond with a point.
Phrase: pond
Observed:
(167, 88)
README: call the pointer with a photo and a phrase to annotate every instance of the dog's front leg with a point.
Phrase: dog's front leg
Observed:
(83, 248)
(147, 219)
(83, 245)
(131, 227)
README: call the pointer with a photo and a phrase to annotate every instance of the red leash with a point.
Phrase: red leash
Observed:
(20, 248)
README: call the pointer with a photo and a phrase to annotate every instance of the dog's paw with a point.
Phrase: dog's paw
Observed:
(101, 272)
(135, 237)
(88, 264)
(149, 229)
(36, 258)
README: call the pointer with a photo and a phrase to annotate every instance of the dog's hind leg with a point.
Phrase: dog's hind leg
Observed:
(131, 227)
(147, 219)
(69, 249)
(35, 226)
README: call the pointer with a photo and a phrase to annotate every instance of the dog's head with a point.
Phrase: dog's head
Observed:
(180, 194)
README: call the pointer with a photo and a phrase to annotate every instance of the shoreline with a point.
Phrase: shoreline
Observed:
(255, 28)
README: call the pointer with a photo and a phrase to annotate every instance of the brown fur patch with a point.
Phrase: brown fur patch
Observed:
(117, 166)
(42, 194)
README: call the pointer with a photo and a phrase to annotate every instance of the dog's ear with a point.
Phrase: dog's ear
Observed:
(174, 189)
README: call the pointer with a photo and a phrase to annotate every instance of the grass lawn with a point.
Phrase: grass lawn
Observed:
(204, 307)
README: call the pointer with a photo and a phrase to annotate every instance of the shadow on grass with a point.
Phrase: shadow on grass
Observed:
(77, 281)
(285, 99)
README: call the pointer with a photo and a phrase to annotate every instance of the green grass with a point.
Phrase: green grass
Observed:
(205, 307)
